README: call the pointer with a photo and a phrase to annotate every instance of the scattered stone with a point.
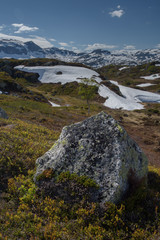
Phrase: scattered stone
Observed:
(101, 149)
(59, 73)
(3, 114)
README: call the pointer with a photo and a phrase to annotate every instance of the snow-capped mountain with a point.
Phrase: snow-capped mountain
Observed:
(97, 58)
(100, 58)
(18, 49)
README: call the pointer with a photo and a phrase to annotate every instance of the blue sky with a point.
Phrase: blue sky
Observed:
(83, 25)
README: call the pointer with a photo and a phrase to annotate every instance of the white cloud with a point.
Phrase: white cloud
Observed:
(52, 40)
(17, 24)
(129, 47)
(117, 13)
(22, 28)
(71, 42)
(99, 46)
(76, 50)
(158, 45)
(40, 41)
(62, 48)
(2, 27)
(63, 44)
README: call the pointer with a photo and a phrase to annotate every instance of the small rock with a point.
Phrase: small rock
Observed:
(3, 114)
(59, 73)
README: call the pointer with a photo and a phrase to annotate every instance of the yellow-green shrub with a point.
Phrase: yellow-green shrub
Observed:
(21, 144)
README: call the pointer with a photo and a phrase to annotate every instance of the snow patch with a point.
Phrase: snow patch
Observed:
(151, 77)
(148, 98)
(122, 68)
(69, 73)
(54, 104)
(132, 100)
(132, 97)
(145, 85)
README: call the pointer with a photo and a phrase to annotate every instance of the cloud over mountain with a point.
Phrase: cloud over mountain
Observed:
(94, 46)
(63, 44)
(2, 27)
(40, 41)
(129, 47)
(23, 28)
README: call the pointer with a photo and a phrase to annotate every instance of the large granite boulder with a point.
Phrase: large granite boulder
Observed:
(3, 114)
(101, 149)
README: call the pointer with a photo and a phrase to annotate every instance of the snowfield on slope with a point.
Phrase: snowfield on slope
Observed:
(122, 68)
(61, 73)
(132, 97)
(151, 77)
(54, 104)
(145, 85)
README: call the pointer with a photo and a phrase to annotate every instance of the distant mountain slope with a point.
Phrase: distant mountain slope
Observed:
(97, 58)
(17, 49)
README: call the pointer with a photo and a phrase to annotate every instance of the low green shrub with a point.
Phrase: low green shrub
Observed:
(21, 144)
(69, 187)
(28, 214)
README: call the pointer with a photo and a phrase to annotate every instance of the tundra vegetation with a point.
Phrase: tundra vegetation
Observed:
(32, 128)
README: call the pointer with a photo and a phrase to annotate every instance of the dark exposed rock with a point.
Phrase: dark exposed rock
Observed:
(59, 73)
(10, 86)
(33, 47)
(3, 114)
(112, 87)
(101, 149)
(30, 77)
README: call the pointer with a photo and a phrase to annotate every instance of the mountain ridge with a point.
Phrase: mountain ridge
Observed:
(97, 58)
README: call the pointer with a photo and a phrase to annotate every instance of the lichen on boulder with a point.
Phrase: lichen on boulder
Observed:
(101, 149)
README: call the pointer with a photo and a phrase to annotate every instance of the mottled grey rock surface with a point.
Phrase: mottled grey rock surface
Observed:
(101, 149)
(3, 114)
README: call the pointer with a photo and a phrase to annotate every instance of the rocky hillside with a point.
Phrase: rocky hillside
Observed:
(97, 58)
